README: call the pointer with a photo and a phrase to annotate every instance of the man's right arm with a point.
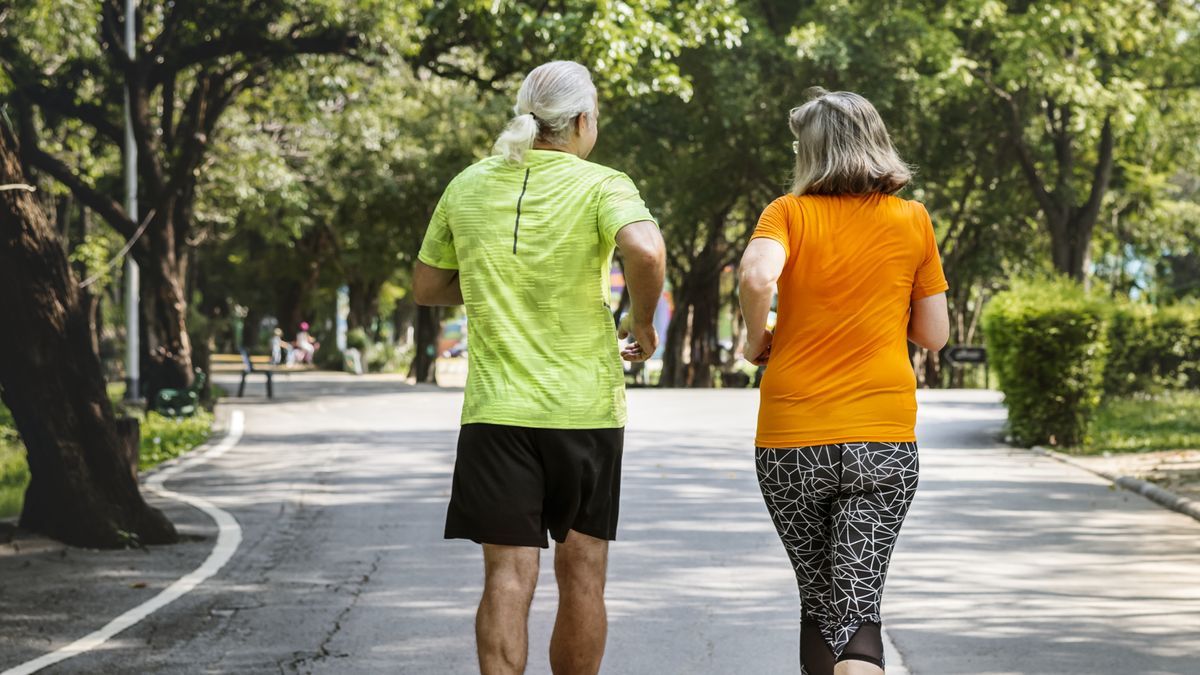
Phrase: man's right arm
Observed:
(645, 257)
(434, 287)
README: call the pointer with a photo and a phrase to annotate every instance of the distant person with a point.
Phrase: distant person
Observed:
(526, 238)
(305, 347)
(280, 348)
(858, 273)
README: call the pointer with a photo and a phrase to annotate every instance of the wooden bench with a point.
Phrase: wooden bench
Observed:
(247, 365)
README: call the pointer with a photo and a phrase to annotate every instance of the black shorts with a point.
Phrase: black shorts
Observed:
(512, 484)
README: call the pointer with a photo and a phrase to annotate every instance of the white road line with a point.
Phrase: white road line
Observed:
(229, 537)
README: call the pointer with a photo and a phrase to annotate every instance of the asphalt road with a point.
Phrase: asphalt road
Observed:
(1009, 563)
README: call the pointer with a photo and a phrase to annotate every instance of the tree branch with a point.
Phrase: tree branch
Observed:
(1017, 135)
(89, 196)
(1101, 176)
(1060, 128)
(327, 42)
(67, 106)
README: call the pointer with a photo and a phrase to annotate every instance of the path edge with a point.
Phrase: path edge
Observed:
(892, 656)
(228, 541)
(1161, 496)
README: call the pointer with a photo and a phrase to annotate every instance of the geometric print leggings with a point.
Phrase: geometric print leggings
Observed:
(838, 509)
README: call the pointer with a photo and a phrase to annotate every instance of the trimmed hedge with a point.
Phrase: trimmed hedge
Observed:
(1058, 352)
(1047, 341)
(1152, 348)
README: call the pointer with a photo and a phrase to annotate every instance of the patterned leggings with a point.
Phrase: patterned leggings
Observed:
(838, 509)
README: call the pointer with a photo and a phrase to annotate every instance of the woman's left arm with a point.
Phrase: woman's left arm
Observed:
(762, 263)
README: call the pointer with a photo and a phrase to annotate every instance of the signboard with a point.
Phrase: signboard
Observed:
(967, 354)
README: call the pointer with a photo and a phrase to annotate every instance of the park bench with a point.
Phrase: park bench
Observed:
(247, 364)
(181, 402)
(248, 369)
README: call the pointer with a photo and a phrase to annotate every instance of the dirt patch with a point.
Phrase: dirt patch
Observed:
(1174, 470)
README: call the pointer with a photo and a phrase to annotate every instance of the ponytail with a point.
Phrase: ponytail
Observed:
(518, 138)
(549, 102)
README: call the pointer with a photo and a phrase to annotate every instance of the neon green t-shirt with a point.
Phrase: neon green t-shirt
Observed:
(533, 245)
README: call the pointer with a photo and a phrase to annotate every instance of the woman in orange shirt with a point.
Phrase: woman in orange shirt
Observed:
(858, 274)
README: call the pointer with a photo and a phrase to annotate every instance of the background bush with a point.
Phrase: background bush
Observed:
(1047, 341)
(1152, 349)
(1134, 355)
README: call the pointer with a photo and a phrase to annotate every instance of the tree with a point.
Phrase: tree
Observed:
(1073, 79)
(192, 61)
(328, 178)
(83, 490)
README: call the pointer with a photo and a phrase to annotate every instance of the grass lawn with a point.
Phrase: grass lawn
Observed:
(1169, 421)
(14, 474)
(163, 438)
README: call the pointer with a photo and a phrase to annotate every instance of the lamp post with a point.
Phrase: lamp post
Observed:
(133, 337)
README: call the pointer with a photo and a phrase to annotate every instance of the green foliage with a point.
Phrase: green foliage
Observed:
(166, 438)
(14, 470)
(632, 46)
(1047, 341)
(1134, 351)
(1166, 421)
(1152, 348)
(14, 478)
(357, 339)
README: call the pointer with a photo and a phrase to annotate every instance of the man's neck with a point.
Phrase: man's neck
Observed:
(556, 148)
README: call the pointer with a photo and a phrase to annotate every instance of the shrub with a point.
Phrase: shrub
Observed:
(1152, 349)
(1177, 330)
(1047, 341)
(357, 338)
(1133, 350)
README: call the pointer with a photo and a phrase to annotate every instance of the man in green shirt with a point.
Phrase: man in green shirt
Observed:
(525, 239)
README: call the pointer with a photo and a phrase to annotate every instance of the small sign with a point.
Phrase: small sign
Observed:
(967, 354)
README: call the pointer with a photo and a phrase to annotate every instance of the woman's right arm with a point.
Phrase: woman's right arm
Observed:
(929, 323)
(762, 263)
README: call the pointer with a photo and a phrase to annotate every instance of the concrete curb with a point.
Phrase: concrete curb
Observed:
(1164, 498)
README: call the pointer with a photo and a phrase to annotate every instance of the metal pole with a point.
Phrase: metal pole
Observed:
(133, 349)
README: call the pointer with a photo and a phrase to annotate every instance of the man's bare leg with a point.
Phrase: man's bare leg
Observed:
(502, 623)
(581, 628)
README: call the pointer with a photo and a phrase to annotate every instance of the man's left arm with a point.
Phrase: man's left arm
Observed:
(436, 287)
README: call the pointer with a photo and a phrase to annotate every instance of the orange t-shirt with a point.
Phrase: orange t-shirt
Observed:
(839, 369)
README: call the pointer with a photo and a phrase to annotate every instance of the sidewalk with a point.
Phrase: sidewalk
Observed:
(1015, 563)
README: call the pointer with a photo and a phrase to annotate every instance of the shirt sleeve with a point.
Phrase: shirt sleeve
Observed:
(437, 250)
(773, 224)
(929, 279)
(620, 204)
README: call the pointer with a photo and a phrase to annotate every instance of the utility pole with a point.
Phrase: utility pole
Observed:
(133, 349)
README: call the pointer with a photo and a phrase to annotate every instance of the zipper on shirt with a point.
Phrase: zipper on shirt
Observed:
(517, 225)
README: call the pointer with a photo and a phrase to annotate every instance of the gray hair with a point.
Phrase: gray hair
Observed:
(551, 98)
(843, 147)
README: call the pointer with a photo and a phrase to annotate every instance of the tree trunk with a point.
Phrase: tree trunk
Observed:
(290, 310)
(364, 304)
(167, 348)
(82, 490)
(424, 363)
(250, 327)
(674, 370)
(1071, 245)
(402, 319)
(694, 324)
(704, 346)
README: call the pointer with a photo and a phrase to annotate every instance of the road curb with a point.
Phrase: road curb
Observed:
(1156, 494)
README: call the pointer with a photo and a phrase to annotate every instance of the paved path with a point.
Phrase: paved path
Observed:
(1009, 563)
